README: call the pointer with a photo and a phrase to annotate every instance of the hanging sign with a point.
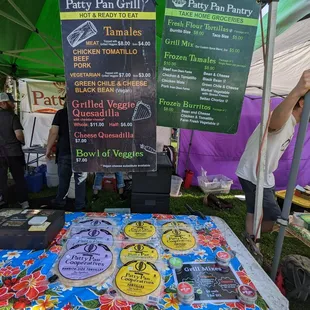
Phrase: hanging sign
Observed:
(46, 97)
(206, 53)
(109, 53)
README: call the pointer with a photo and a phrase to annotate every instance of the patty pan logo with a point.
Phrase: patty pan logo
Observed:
(179, 3)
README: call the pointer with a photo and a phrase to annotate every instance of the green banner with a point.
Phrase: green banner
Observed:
(206, 53)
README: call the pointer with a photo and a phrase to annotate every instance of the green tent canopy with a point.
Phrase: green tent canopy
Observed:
(30, 40)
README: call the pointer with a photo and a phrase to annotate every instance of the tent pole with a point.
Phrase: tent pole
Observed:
(34, 29)
(189, 149)
(44, 77)
(18, 10)
(32, 60)
(14, 20)
(291, 185)
(50, 46)
(4, 73)
(272, 17)
(28, 50)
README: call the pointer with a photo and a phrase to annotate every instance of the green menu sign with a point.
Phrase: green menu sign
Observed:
(207, 48)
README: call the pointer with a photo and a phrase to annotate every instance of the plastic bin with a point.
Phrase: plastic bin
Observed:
(52, 180)
(176, 183)
(109, 183)
(34, 182)
(52, 167)
(42, 169)
(71, 191)
(215, 184)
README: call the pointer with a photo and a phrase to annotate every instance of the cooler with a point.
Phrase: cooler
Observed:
(17, 234)
(154, 182)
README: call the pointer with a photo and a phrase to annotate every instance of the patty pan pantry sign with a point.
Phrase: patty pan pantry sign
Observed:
(109, 53)
(206, 53)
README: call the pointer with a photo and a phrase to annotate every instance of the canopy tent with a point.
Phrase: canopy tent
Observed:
(30, 45)
(292, 57)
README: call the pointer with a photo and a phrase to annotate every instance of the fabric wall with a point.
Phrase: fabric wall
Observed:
(220, 153)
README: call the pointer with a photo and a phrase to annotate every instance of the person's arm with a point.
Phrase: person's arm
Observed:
(284, 110)
(18, 129)
(20, 136)
(52, 137)
(53, 134)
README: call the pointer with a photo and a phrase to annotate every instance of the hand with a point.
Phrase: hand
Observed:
(303, 86)
(49, 154)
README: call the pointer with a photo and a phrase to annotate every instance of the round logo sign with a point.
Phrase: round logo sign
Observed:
(178, 239)
(222, 255)
(138, 278)
(138, 251)
(185, 288)
(139, 230)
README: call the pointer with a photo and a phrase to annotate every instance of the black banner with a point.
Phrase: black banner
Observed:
(109, 52)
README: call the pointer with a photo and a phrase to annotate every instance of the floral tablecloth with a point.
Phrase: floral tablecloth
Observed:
(24, 275)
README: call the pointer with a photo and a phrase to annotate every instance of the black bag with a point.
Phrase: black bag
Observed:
(172, 155)
(296, 273)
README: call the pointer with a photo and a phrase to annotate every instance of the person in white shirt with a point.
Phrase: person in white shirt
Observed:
(280, 132)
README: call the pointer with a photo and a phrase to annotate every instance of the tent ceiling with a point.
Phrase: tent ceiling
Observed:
(24, 53)
(30, 45)
(30, 38)
(292, 55)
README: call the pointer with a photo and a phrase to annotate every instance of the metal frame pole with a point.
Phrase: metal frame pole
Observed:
(189, 150)
(291, 185)
(33, 60)
(271, 35)
(34, 29)
(272, 17)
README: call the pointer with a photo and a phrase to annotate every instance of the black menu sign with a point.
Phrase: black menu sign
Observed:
(209, 282)
(109, 53)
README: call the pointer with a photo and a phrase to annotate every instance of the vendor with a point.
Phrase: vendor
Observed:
(11, 154)
(280, 133)
(60, 132)
(98, 184)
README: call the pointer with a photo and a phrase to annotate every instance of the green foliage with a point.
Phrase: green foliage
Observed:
(138, 307)
(89, 304)
(22, 274)
(51, 293)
